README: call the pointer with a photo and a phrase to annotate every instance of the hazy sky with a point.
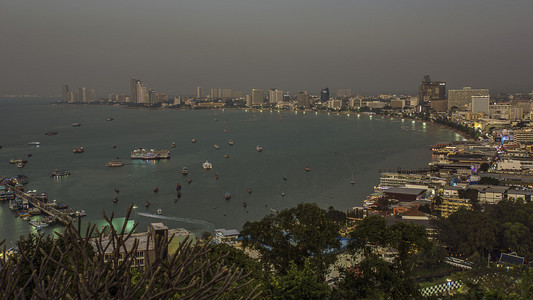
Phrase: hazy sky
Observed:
(174, 45)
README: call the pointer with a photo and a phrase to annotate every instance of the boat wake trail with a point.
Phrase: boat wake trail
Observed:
(197, 222)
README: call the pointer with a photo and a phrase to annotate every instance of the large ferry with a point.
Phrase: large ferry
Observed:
(151, 154)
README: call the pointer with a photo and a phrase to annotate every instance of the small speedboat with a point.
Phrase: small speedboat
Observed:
(244, 204)
(282, 194)
(216, 175)
(179, 194)
(34, 143)
(78, 150)
(76, 124)
(216, 146)
(109, 119)
(189, 180)
(115, 199)
(193, 140)
(159, 211)
(227, 196)
(21, 165)
(207, 165)
(226, 155)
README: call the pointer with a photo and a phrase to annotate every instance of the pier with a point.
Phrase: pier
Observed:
(46, 208)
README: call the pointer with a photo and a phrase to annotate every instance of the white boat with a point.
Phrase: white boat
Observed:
(193, 140)
(258, 148)
(216, 146)
(159, 211)
(184, 171)
(230, 142)
(34, 143)
(207, 165)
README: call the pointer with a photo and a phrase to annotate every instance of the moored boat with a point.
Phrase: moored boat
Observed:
(156, 189)
(230, 142)
(193, 140)
(227, 196)
(179, 194)
(249, 190)
(21, 165)
(114, 163)
(147, 204)
(226, 155)
(109, 119)
(115, 199)
(76, 124)
(16, 161)
(259, 148)
(178, 187)
(173, 145)
(159, 211)
(307, 169)
(184, 171)
(216, 146)
(59, 173)
(51, 133)
(78, 150)
(207, 165)
(34, 143)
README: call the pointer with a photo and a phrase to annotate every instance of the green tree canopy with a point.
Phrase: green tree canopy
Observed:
(294, 234)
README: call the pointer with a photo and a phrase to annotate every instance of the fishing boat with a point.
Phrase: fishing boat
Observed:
(227, 196)
(216, 146)
(115, 199)
(114, 163)
(78, 150)
(173, 145)
(282, 194)
(249, 190)
(159, 211)
(21, 165)
(179, 194)
(76, 124)
(207, 165)
(184, 171)
(259, 148)
(156, 189)
(230, 142)
(109, 119)
(82, 213)
(307, 169)
(193, 140)
(16, 161)
(147, 204)
(226, 155)
(59, 173)
(216, 175)
(244, 204)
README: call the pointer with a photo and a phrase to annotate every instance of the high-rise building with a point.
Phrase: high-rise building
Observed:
(65, 93)
(248, 100)
(72, 97)
(275, 95)
(216, 93)
(82, 95)
(480, 104)
(198, 92)
(226, 93)
(430, 90)
(133, 89)
(324, 95)
(142, 93)
(237, 94)
(303, 99)
(257, 97)
(91, 95)
(344, 93)
(461, 99)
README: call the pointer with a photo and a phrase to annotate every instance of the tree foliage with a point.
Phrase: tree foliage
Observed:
(77, 265)
(294, 234)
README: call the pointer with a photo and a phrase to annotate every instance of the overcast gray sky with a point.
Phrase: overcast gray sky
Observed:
(369, 46)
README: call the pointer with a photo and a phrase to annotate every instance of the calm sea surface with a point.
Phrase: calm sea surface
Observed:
(335, 147)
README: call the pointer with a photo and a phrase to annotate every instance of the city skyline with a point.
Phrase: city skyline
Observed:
(369, 47)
